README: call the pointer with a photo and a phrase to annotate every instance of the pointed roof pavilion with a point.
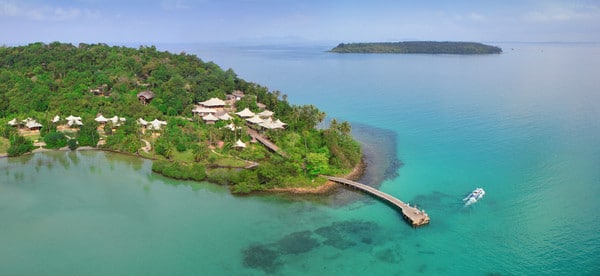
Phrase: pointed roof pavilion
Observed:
(239, 144)
(13, 122)
(210, 118)
(246, 113)
(266, 113)
(101, 119)
(203, 110)
(73, 118)
(157, 124)
(213, 102)
(225, 117)
(142, 122)
(33, 124)
(255, 120)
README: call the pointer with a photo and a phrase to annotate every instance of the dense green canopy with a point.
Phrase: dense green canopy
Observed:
(42, 81)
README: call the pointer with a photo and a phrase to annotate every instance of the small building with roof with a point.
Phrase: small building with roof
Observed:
(213, 103)
(203, 111)
(246, 113)
(239, 144)
(265, 113)
(210, 119)
(145, 97)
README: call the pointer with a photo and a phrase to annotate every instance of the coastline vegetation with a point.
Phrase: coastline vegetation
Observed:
(418, 47)
(39, 82)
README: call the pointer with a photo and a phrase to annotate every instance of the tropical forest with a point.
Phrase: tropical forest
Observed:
(195, 120)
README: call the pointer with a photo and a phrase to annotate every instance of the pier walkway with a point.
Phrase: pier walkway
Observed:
(411, 214)
(263, 140)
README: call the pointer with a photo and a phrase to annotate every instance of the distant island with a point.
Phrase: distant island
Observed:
(418, 47)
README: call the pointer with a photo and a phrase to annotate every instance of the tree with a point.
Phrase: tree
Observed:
(88, 135)
(19, 145)
(345, 128)
(317, 163)
(55, 140)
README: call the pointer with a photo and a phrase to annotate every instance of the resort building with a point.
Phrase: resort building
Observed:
(145, 97)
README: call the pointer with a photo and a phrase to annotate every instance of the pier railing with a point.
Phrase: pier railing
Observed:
(411, 214)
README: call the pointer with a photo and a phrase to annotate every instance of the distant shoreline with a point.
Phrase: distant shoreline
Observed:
(417, 47)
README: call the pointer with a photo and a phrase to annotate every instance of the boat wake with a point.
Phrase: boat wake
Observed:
(474, 196)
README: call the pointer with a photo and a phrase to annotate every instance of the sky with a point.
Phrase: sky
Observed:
(199, 21)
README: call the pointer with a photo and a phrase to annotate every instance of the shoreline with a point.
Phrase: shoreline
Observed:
(357, 172)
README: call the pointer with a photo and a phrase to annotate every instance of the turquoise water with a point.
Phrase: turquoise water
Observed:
(524, 125)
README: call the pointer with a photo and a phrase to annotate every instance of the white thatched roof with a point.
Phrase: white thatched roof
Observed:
(101, 119)
(266, 113)
(213, 102)
(225, 117)
(142, 122)
(13, 122)
(210, 117)
(202, 109)
(246, 113)
(56, 119)
(73, 118)
(157, 124)
(270, 124)
(75, 122)
(239, 144)
(31, 123)
(114, 120)
(280, 123)
(255, 120)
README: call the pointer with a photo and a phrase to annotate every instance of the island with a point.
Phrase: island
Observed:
(193, 119)
(418, 47)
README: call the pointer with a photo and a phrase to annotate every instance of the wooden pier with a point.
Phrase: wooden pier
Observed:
(266, 142)
(411, 214)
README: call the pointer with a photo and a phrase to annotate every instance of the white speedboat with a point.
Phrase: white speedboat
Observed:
(474, 196)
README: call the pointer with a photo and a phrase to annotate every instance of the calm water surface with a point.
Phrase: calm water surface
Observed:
(523, 125)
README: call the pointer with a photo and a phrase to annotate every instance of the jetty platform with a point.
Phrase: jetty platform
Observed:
(411, 214)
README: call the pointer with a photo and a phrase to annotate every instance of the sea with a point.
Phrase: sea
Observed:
(524, 125)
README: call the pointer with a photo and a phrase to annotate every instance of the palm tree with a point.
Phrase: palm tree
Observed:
(345, 128)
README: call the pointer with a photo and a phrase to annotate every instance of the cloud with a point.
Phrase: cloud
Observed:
(8, 8)
(476, 16)
(561, 13)
(172, 5)
(43, 13)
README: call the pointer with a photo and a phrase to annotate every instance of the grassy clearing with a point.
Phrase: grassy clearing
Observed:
(230, 162)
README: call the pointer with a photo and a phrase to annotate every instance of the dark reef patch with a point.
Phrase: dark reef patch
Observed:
(298, 242)
(269, 257)
(345, 234)
(389, 255)
(262, 257)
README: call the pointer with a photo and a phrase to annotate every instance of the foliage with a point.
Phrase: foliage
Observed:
(178, 170)
(19, 145)
(72, 144)
(88, 135)
(55, 140)
(418, 47)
